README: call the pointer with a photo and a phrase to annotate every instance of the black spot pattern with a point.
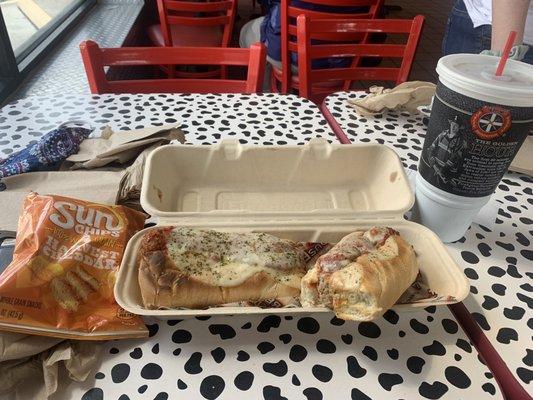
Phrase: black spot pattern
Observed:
(151, 371)
(358, 395)
(243, 356)
(285, 338)
(322, 373)
(93, 394)
(489, 388)
(244, 380)
(223, 330)
(181, 336)
(212, 387)
(354, 369)
(181, 385)
(387, 381)
(218, 354)
(272, 393)
(393, 353)
(325, 346)
(432, 391)
(391, 316)
(161, 396)
(295, 381)
(370, 352)
(308, 325)
(265, 347)
(192, 366)
(436, 349)
(278, 369)
(348, 339)
(369, 330)
(418, 326)
(450, 326)
(120, 372)
(268, 323)
(457, 377)
(415, 364)
(152, 329)
(489, 303)
(297, 353)
(469, 257)
(506, 335)
(312, 393)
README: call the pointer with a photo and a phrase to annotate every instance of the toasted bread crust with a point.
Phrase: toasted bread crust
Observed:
(366, 287)
(163, 285)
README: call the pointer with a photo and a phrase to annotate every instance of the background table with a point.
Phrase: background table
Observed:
(497, 261)
(420, 354)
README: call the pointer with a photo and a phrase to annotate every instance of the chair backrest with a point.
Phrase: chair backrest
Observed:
(291, 9)
(96, 58)
(197, 13)
(344, 31)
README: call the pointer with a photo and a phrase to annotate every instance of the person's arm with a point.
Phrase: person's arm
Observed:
(508, 15)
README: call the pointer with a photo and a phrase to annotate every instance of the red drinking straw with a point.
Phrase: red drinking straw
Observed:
(505, 53)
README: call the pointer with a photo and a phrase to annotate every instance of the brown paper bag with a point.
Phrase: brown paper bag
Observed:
(31, 366)
(97, 186)
(122, 146)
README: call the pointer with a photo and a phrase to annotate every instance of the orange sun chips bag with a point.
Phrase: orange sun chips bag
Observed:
(60, 282)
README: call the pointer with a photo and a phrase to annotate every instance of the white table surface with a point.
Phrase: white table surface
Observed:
(420, 354)
(498, 260)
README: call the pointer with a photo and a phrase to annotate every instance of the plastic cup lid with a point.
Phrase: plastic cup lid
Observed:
(473, 75)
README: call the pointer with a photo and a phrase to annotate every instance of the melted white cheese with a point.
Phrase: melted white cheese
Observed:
(229, 259)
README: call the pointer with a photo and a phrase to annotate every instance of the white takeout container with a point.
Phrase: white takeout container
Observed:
(319, 192)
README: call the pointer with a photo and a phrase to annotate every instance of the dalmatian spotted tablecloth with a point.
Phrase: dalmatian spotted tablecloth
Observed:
(497, 261)
(411, 355)
(267, 119)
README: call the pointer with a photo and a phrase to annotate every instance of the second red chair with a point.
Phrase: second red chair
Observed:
(343, 31)
(193, 23)
(96, 58)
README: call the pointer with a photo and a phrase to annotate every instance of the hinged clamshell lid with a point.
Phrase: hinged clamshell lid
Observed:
(317, 181)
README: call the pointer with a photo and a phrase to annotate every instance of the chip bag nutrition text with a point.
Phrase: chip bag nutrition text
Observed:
(60, 282)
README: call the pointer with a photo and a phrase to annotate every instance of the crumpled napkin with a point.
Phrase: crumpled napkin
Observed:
(406, 96)
(30, 366)
(45, 155)
(122, 146)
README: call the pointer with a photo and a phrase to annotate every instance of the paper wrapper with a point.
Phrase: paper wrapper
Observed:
(130, 185)
(96, 186)
(33, 367)
(122, 146)
(406, 96)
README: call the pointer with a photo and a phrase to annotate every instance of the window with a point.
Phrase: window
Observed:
(27, 29)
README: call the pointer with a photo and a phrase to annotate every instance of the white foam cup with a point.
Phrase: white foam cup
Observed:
(477, 125)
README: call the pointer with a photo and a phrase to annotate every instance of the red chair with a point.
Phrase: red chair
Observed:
(344, 31)
(193, 23)
(289, 13)
(96, 58)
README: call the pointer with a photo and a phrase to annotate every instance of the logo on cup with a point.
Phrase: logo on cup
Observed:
(489, 123)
